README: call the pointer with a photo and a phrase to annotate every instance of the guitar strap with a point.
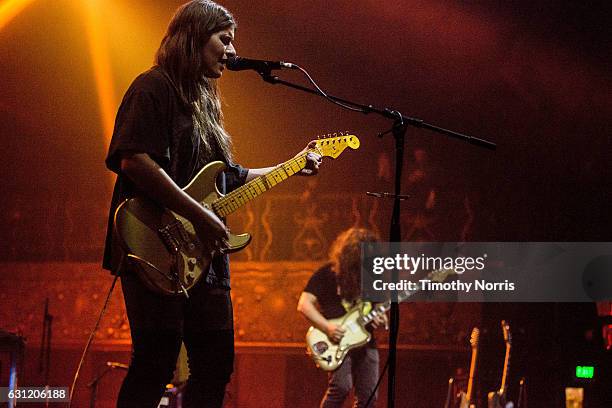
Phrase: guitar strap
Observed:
(366, 307)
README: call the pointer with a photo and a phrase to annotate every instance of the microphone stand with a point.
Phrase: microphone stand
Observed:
(400, 125)
(93, 384)
(44, 361)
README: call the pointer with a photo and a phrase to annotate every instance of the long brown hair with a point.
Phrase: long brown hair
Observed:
(345, 256)
(179, 54)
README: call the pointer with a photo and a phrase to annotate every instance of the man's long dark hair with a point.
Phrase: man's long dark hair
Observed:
(180, 55)
(345, 256)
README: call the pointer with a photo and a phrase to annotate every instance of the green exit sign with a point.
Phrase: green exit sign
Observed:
(585, 371)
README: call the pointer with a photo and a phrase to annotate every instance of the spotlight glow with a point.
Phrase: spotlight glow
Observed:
(11, 8)
(99, 51)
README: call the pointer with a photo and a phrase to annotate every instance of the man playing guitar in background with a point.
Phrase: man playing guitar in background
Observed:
(330, 293)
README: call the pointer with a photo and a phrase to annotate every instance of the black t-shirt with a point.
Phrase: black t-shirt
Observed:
(324, 286)
(153, 119)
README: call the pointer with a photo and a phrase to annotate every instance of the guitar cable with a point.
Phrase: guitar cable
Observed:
(90, 340)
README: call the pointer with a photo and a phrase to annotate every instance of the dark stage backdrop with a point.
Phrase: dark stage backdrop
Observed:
(532, 77)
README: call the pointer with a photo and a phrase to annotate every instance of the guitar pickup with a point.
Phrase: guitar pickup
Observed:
(169, 234)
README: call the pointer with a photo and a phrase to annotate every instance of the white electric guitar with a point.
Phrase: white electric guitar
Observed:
(329, 355)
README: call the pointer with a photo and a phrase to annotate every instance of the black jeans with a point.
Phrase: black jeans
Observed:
(158, 323)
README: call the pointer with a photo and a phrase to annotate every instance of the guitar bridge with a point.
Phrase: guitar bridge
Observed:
(174, 236)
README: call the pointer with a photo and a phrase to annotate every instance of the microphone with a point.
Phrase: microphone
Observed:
(113, 364)
(240, 64)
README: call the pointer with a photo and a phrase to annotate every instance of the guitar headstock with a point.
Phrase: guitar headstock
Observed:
(475, 337)
(333, 145)
(506, 330)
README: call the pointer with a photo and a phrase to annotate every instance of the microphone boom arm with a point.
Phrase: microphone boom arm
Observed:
(387, 113)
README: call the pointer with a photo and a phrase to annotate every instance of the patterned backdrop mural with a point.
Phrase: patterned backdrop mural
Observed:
(265, 297)
(284, 226)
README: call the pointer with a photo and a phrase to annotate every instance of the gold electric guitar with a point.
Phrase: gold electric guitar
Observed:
(164, 245)
(466, 398)
(497, 399)
(328, 355)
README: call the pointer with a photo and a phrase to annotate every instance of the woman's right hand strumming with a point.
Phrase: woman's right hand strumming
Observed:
(152, 180)
(211, 231)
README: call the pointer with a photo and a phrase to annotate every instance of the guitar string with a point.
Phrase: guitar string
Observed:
(222, 204)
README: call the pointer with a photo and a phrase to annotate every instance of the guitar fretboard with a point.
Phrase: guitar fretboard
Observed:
(242, 195)
(439, 276)
(502, 388)
(383, 307)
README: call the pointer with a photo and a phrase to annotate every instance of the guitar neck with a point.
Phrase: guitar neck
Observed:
(242, 195)
(438, 275)
(502, 388)
(470, 386)
(382, 308)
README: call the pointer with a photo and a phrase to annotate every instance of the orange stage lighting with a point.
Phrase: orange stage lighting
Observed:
(10, 8)
(98, 49)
